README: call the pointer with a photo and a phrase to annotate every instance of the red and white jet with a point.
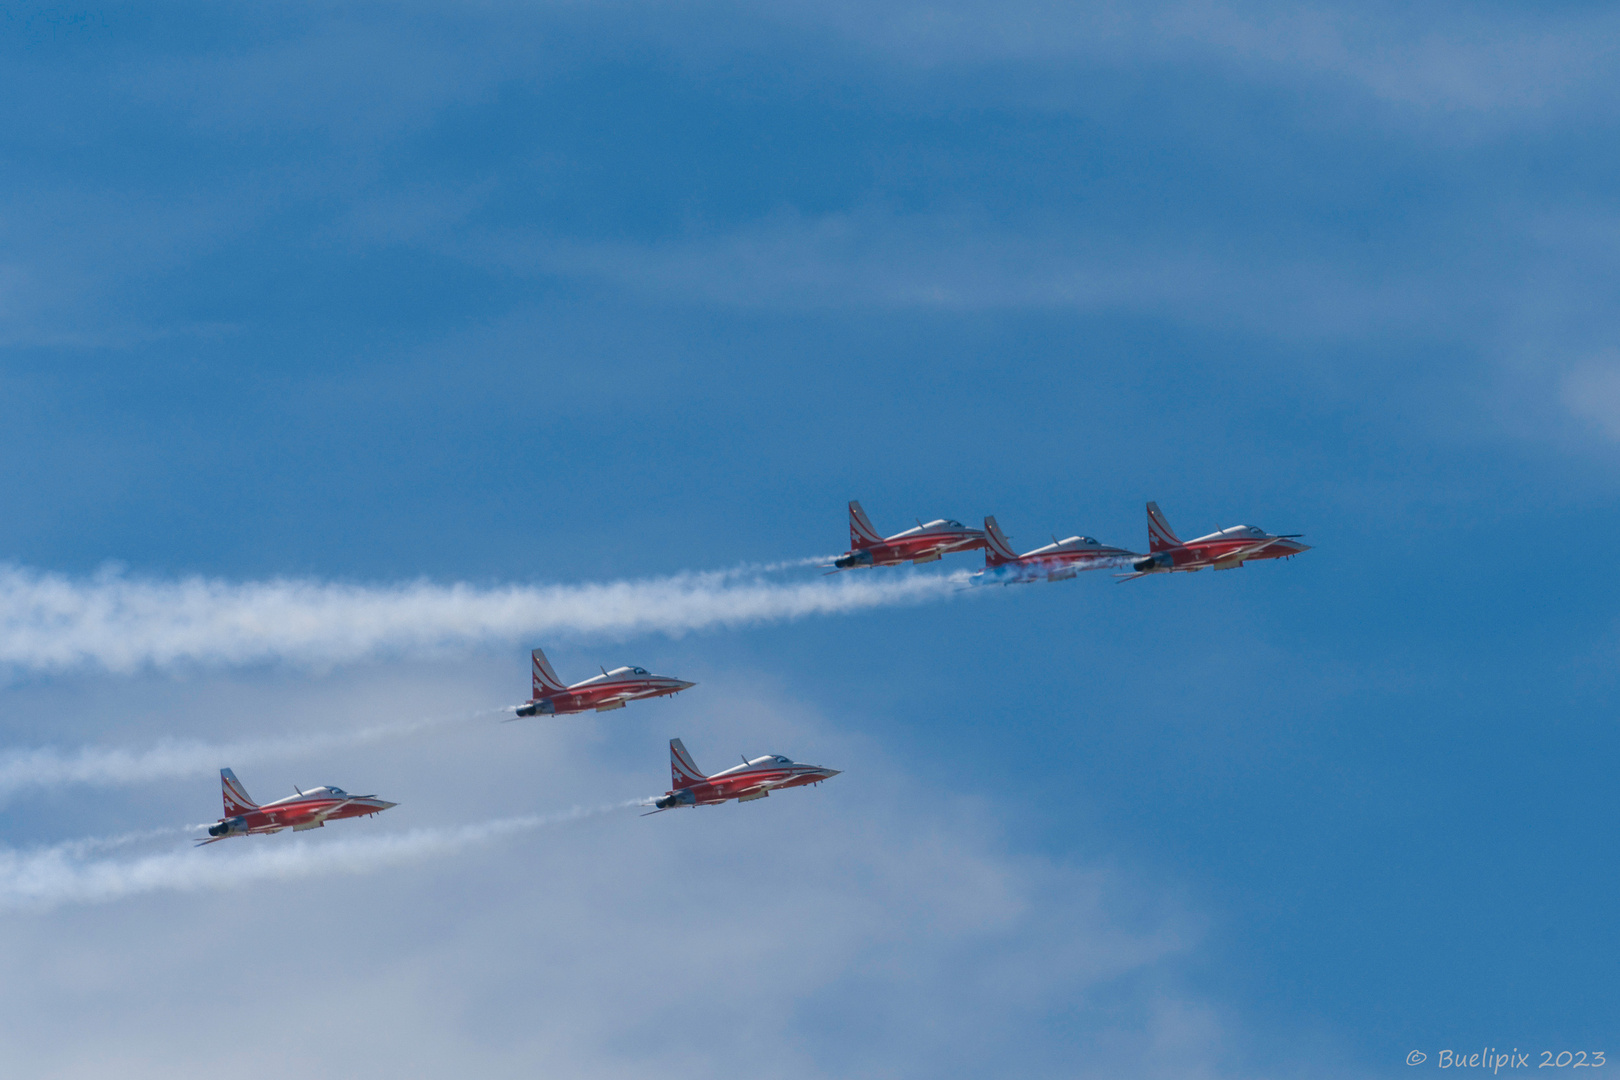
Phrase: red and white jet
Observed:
(306, 810)
(1056, 561)
(925, 543)
(609, 690)
(1224, 550)
(751, 780)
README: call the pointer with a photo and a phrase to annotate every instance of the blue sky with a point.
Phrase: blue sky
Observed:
(377, 293)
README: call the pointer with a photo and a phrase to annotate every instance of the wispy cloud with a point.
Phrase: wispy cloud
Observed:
(48, 877)
(1591, 391)
(875, 260)
(1442, 60)
(875, 925)
(120, 623)
(172, 759)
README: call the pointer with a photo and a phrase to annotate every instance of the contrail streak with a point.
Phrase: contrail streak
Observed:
(122, 624)
(44, 878)
(173, 759)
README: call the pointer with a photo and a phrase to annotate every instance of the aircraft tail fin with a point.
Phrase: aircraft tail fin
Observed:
(236, 798)
(1161, 537)
(996, 548)
(683, 771)
(861, 533)
(545, 679)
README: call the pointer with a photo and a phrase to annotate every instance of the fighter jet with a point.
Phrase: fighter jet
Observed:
(925, 543)
(751, 780)
(609, 690)
(306, 810)
(1224, 550)
(1056, 561)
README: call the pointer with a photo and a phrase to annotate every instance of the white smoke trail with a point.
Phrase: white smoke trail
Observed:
(123, 624)
(44, 878)
(174, 759)
(89, 844)
(755, 569)
(1025, 573)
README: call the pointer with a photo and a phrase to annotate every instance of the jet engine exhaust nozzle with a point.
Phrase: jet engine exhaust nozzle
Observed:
(535, 708)
(684, 797)
(228, 826)
(853, 559)
(1149, 563)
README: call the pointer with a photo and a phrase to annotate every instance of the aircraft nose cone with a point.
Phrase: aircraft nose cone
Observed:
(679, 685)
(384, 805)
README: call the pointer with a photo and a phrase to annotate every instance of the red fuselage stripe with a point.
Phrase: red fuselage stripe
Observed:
(590, 695)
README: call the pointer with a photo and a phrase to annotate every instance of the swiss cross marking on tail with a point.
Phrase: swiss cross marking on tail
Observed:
(236, 799)
(1160, 536)
(545, 679)
(996, 548)
(861, 533)
(683, 771)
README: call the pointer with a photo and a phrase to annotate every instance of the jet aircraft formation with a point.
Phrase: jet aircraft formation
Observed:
(1224, 549)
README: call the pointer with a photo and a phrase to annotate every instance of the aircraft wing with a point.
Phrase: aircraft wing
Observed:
(330, 810)
(768, 785)
(350, 801)
(1252, 549)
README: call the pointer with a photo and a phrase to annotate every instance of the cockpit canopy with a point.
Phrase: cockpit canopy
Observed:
(1242, 532)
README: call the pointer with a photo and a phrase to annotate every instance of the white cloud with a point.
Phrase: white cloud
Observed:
(73, 872)
(173, 759)
(1440, 60)
(1592, 392)
(952, 263)
(873, 926)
